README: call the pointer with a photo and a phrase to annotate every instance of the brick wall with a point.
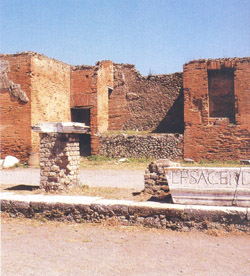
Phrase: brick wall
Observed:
(50, 98)
(207, 136)
(16, 114)
(216, 95)
(120, 98)
(83, 85)
(90, 89)
(145, 103)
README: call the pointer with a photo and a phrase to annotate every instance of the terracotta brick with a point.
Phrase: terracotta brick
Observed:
(46, 83)
(218, 138)
(15, 114)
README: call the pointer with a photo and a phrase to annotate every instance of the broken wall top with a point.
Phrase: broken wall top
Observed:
(220, 62)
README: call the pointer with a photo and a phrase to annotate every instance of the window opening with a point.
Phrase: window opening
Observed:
(221, 94)
(110, 90)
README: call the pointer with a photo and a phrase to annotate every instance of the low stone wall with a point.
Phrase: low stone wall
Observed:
(150, 214)
(150, 145)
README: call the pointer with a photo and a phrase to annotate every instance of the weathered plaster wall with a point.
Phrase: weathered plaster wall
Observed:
(210, 137)
(105, 80)
(50, 98)
(15, 113)
(145, 103)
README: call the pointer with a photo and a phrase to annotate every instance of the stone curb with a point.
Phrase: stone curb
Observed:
(151, 214)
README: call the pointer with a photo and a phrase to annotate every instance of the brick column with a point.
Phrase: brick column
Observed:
(59, 161)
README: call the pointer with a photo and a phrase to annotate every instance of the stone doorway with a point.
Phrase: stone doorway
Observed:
(82, 115)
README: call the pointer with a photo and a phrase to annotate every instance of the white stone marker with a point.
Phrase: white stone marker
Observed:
(210, 186)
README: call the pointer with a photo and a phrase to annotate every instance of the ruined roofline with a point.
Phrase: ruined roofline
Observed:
(24, 53)
(221, 60)
(84, 66)
(163, 75)
(132, 67)
(149, 76)
(81, 67)
(32, 54)
(104, 60)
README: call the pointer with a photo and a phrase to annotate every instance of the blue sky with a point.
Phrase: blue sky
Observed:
(158, 36)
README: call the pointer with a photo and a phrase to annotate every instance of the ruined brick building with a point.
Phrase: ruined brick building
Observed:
(217, 109)
(208, 102)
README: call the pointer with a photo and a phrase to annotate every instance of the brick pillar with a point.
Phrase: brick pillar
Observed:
(59, 161)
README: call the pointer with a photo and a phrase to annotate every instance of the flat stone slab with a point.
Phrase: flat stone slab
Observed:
(62, 127)
(209, 186)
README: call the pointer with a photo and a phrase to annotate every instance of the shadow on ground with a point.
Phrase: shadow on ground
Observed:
(22, 187)
(165, 199)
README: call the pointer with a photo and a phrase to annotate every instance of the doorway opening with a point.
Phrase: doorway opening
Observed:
(82, 115)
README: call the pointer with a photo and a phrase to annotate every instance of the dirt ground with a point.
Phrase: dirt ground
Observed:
(111, 183)
(31, 247)
(113, 178)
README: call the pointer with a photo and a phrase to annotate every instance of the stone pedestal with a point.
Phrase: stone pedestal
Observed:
(59, 160)
(59, 154)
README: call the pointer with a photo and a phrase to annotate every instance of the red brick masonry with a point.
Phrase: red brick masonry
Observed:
(227, 136)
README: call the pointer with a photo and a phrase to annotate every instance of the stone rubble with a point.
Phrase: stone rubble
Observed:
(156, 183)
(139, 146)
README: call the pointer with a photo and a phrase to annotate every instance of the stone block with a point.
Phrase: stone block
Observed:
(210, 186)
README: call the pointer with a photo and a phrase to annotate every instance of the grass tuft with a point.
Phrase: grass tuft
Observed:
(104, 162)
(214, 163)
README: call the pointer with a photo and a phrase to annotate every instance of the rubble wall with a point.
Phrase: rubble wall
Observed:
(15, 111)
(147, 145)
(216, 138)
(152, 103)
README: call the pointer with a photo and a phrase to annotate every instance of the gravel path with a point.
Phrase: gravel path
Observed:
(92, 178)
(32, 248)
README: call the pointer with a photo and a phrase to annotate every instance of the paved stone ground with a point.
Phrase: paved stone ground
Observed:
(92, 178)
(32, 248)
